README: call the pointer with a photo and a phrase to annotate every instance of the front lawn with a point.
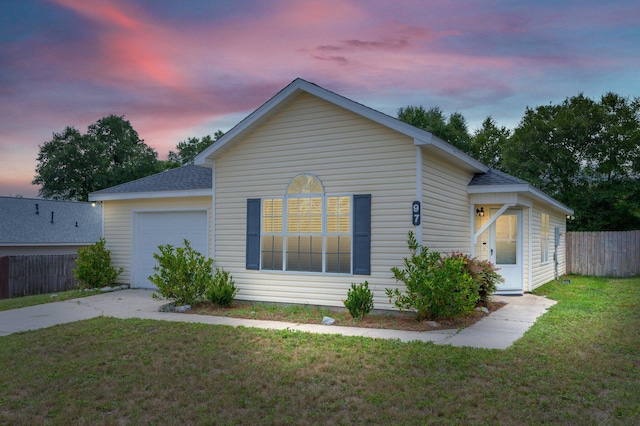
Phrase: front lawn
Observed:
(579, 364)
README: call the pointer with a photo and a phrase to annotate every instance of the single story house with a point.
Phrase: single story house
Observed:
(312, 192)
(32, 226)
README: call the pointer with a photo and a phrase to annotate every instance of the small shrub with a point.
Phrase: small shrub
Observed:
(484, 273)
(182, 274)
(93, 266)
(436, 287)
(359, 300)
(222, 289)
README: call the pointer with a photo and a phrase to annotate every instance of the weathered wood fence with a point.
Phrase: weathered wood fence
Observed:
(611, 254)
(36, 274)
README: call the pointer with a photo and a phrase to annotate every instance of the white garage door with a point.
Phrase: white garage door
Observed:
(151, 229)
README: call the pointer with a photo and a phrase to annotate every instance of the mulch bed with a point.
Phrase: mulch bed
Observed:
(392, 321)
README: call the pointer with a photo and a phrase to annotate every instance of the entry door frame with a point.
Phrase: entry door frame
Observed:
(513, 274)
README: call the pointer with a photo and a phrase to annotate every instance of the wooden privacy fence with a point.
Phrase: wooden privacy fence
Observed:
(36, 274)
(611, 254)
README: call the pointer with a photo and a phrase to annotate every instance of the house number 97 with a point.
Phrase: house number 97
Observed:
(415, 213)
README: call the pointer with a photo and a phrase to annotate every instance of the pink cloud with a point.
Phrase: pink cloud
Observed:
(107, 12)
(132, 49)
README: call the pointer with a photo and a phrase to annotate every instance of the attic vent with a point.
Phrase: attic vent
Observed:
(37, 211)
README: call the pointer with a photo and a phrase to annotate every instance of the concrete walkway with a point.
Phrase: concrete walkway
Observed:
(496, 331)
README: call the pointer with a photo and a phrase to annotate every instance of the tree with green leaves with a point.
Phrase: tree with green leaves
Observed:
(586, 154)
(189, 148)
(453, 129)
(72, 165)
(487, 143)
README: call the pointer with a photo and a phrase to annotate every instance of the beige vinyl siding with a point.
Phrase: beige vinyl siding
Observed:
(559, 220)
(445, 205)
(543, 273)
(118, 216)
(350, 155)
(526, 254)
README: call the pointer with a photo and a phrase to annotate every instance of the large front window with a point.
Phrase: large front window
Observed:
(307, 230)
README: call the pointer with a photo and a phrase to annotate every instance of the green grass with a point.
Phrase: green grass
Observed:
(579, 364)
(21, 302)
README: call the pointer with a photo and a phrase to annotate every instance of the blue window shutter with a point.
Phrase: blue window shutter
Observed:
(253, 233)
(362, 234)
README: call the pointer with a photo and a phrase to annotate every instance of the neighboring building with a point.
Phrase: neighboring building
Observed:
(33, 226)
(312, 192)
(39, 240)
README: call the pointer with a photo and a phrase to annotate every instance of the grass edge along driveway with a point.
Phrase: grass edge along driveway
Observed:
(579, 364)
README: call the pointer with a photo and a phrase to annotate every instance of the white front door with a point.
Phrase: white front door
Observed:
(505, 250)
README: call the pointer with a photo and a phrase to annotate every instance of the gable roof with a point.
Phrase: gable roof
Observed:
(196, 179)
(33, 222)
(495, 181)
(189, 180)
(299, 86)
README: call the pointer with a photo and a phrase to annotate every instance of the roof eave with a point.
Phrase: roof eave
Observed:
(465, 160)
(520, 188)
(113, 196)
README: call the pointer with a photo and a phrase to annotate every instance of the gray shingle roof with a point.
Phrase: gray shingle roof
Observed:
(495, 177)
(22, 223)
(187, 177)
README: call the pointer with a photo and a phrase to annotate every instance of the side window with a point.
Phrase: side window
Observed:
(544, 238)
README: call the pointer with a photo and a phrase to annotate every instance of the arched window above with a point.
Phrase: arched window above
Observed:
(305, 184)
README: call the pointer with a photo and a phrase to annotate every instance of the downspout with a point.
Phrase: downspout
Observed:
(530, 259)
(418, 230)
(472, 228)
(556, 243)
(213, 210)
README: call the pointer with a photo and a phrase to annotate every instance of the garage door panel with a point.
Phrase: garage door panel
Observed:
(153, 229)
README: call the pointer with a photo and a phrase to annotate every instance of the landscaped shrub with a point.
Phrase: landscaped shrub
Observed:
(93, 266)
(359, 300)
(436, 287)
(484, 273)
(222, 289)
(182, 273)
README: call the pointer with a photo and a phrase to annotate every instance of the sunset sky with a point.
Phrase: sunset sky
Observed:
(177, 69)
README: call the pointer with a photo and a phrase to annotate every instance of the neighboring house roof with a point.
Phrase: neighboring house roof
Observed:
(33, 222)
(299, 86)
(495, 181)
(189, 180)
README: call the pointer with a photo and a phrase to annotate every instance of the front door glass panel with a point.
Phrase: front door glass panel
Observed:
(507, 239)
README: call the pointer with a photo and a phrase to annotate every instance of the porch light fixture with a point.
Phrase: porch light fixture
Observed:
(480, 212)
